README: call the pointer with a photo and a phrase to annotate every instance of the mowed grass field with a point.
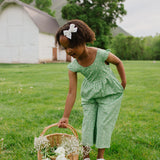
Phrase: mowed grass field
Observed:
(32, 96)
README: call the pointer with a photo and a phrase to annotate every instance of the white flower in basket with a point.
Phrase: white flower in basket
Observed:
(60, 151)
(61, 157)
(71, 145)
(41, 143)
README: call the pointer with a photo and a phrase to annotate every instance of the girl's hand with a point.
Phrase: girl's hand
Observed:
(63, 122)
(123, 85)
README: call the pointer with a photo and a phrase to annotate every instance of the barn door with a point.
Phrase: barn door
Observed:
(54, 54)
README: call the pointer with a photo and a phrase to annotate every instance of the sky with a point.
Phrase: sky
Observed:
(142, 19)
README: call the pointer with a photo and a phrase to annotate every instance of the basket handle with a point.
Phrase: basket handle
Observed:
(56, 124)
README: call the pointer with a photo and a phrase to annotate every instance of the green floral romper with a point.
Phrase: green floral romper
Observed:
(101, 96)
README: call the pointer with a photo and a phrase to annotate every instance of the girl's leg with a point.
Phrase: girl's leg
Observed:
(89, 124)
(101, 153)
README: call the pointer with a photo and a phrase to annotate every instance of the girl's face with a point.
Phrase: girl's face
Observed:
(75, 52)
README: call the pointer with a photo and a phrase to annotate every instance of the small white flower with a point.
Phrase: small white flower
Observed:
(41, 143)
(90, 1)
(71, 145)
(60, 151)
(61, 157)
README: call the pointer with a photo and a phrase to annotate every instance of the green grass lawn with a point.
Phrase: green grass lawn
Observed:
(33, 97)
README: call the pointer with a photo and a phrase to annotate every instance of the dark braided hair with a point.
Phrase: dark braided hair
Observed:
(83, 35)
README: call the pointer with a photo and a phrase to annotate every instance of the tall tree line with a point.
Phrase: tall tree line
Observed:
(136, 48)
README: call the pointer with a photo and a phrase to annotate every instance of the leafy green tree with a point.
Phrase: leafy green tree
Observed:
(27, 1)
(1, 1)
(45, 5)
(119, 46)
(128, 47)
(156, 47)
(147, 45)
(100, 15)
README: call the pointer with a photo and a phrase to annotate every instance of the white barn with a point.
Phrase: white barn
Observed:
(27, 34)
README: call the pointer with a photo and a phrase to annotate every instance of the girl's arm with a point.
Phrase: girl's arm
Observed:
(116, 61)
(70, 99)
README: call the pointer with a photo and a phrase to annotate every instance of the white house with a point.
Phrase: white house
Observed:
(27, 34)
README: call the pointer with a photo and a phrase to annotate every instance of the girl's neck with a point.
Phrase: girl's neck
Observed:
(85, 54)
(87, 57)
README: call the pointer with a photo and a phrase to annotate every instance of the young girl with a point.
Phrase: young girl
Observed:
(101, 92)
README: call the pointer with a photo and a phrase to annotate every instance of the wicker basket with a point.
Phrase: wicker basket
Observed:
(56, 139)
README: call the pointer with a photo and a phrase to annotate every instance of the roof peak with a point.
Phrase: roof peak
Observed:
(5, 2)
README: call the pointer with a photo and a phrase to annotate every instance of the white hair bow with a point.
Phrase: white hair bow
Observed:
(72, 29)
(90, 1)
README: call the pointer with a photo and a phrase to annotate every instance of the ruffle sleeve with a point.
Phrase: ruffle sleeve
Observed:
(104, 54)
(73, 66)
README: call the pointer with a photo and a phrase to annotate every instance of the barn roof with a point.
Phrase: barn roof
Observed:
(43, 21)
